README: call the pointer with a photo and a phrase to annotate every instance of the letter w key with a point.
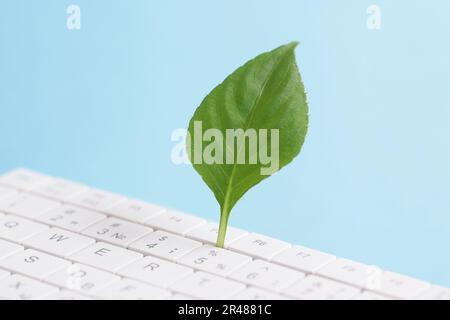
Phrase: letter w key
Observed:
(59, 242)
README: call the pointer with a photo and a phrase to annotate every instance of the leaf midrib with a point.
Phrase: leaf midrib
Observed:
(247, 124)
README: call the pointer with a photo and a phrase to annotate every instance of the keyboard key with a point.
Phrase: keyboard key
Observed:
(367, 295)
(17, 229)
(259, 246)
(6, 192)
(165, 245)
(207, 233)
(215, 260)
(33, 263)
(58, 242)
(27, 205)
(136, 211)
(257, 294)
(8, 248)
(67, 295)
(23, 179)
(397, 286)
(106, 256)
(155, 271)
(350, 272)
(71, 218)
(82, 278)
(95, 199)
(127, 289)
(17, 287)
(116, 231)
(203, 285)
(267, 275)
(4, 274)
(175, 222)
(303, 259)
(435, 293)
(318, 288)
(59, 189)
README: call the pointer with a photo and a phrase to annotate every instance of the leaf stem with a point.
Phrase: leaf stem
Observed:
(224, 214)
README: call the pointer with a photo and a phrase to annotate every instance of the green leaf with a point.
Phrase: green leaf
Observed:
(266, 93)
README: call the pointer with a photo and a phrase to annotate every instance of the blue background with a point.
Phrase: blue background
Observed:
(98, 105)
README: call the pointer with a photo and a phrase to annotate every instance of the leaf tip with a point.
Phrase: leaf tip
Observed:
(292, 45)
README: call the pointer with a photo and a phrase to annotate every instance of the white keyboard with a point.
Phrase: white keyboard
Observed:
(63, 240)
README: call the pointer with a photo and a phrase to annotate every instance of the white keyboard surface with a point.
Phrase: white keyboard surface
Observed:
(63, 240)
